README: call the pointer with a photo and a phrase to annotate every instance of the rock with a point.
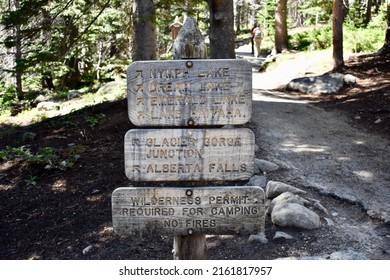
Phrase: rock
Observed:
(321, 208)
(48, 106)
(294, 215)
(260, 237)
(257, 180)
(73, 94)
(87, 249)
(349, 79)
(275, 188)
(329, 222)
(347, 255)
(265, 166)
(29, 135)
(324, 84)
(282, 235)
(114, 87)
(287, 197)
(40, 98)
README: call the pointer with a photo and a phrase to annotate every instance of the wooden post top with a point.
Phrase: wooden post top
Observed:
(189, 42)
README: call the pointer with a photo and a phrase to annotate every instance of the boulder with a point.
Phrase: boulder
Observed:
(318, 85)
(262, 165)
(287, 197)
(275, 188)
(257, 180)
(48, 106)
(295, 215)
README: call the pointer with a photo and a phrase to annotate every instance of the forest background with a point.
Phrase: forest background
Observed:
(49, 48)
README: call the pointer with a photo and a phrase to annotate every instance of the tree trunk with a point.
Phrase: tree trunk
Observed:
(145, 40)
(238, 17)
(18, 57)
(281, 38)
(387, 35)
(386, 46)
(222, 39)
(368, 12)
(337, 20)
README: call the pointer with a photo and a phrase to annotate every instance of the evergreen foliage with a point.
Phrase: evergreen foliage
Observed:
(64, 44)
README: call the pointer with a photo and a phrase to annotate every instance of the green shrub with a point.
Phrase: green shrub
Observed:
(7, 97)
(363, 40)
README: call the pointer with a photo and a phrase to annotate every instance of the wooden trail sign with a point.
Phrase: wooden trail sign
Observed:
(188, 211)
(189, 92)
(189, 154)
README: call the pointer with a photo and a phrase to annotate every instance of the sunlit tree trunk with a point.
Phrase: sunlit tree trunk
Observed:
(386, 46)
(281, 38)
(145, 39)
(337, 20)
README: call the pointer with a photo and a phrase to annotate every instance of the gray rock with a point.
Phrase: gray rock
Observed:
(260, 237)
(329, 222)
(73, 94)
(48, 106)
(29, 135)
(282, 235)
(321, 208)
(275, 188)
(324, 84)
(113, 87)
(350, 79)
(347, 255)
(294, 215)
(87, 250)
(287, 197)
(257, 180)
(262, 165)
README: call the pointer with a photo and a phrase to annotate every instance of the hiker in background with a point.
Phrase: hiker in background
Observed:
(257, 35)
(252, 36)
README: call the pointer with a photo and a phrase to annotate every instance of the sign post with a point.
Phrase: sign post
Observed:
(191, 93)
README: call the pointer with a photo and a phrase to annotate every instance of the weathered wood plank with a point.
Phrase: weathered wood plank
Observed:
(189, 92)
(189, 154)
(188, 211)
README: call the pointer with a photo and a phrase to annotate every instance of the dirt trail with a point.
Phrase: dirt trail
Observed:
(321, 151)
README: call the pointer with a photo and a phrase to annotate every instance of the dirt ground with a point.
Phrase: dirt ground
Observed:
(60, 213)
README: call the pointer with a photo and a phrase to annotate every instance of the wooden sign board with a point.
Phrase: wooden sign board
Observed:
(189, 154)
(186, 211)
(189, 92)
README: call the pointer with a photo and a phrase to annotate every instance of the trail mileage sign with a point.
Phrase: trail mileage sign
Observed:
(189, 93)
(192, 95)
(189, 154)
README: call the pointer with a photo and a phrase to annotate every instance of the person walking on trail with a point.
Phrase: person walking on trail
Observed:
(257, 34)
(252, 37)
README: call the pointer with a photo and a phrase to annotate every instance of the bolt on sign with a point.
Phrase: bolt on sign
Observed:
(189, 154)
(187, 211)
(189, 92)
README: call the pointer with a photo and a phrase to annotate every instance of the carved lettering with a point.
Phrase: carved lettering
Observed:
(214, 73)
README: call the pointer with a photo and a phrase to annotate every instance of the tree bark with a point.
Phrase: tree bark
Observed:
(387, 35)
(281, 37)
(222, 38)
(386, 45)
(145, 39)
(337, 20)
(368, 12)
(18, 57)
